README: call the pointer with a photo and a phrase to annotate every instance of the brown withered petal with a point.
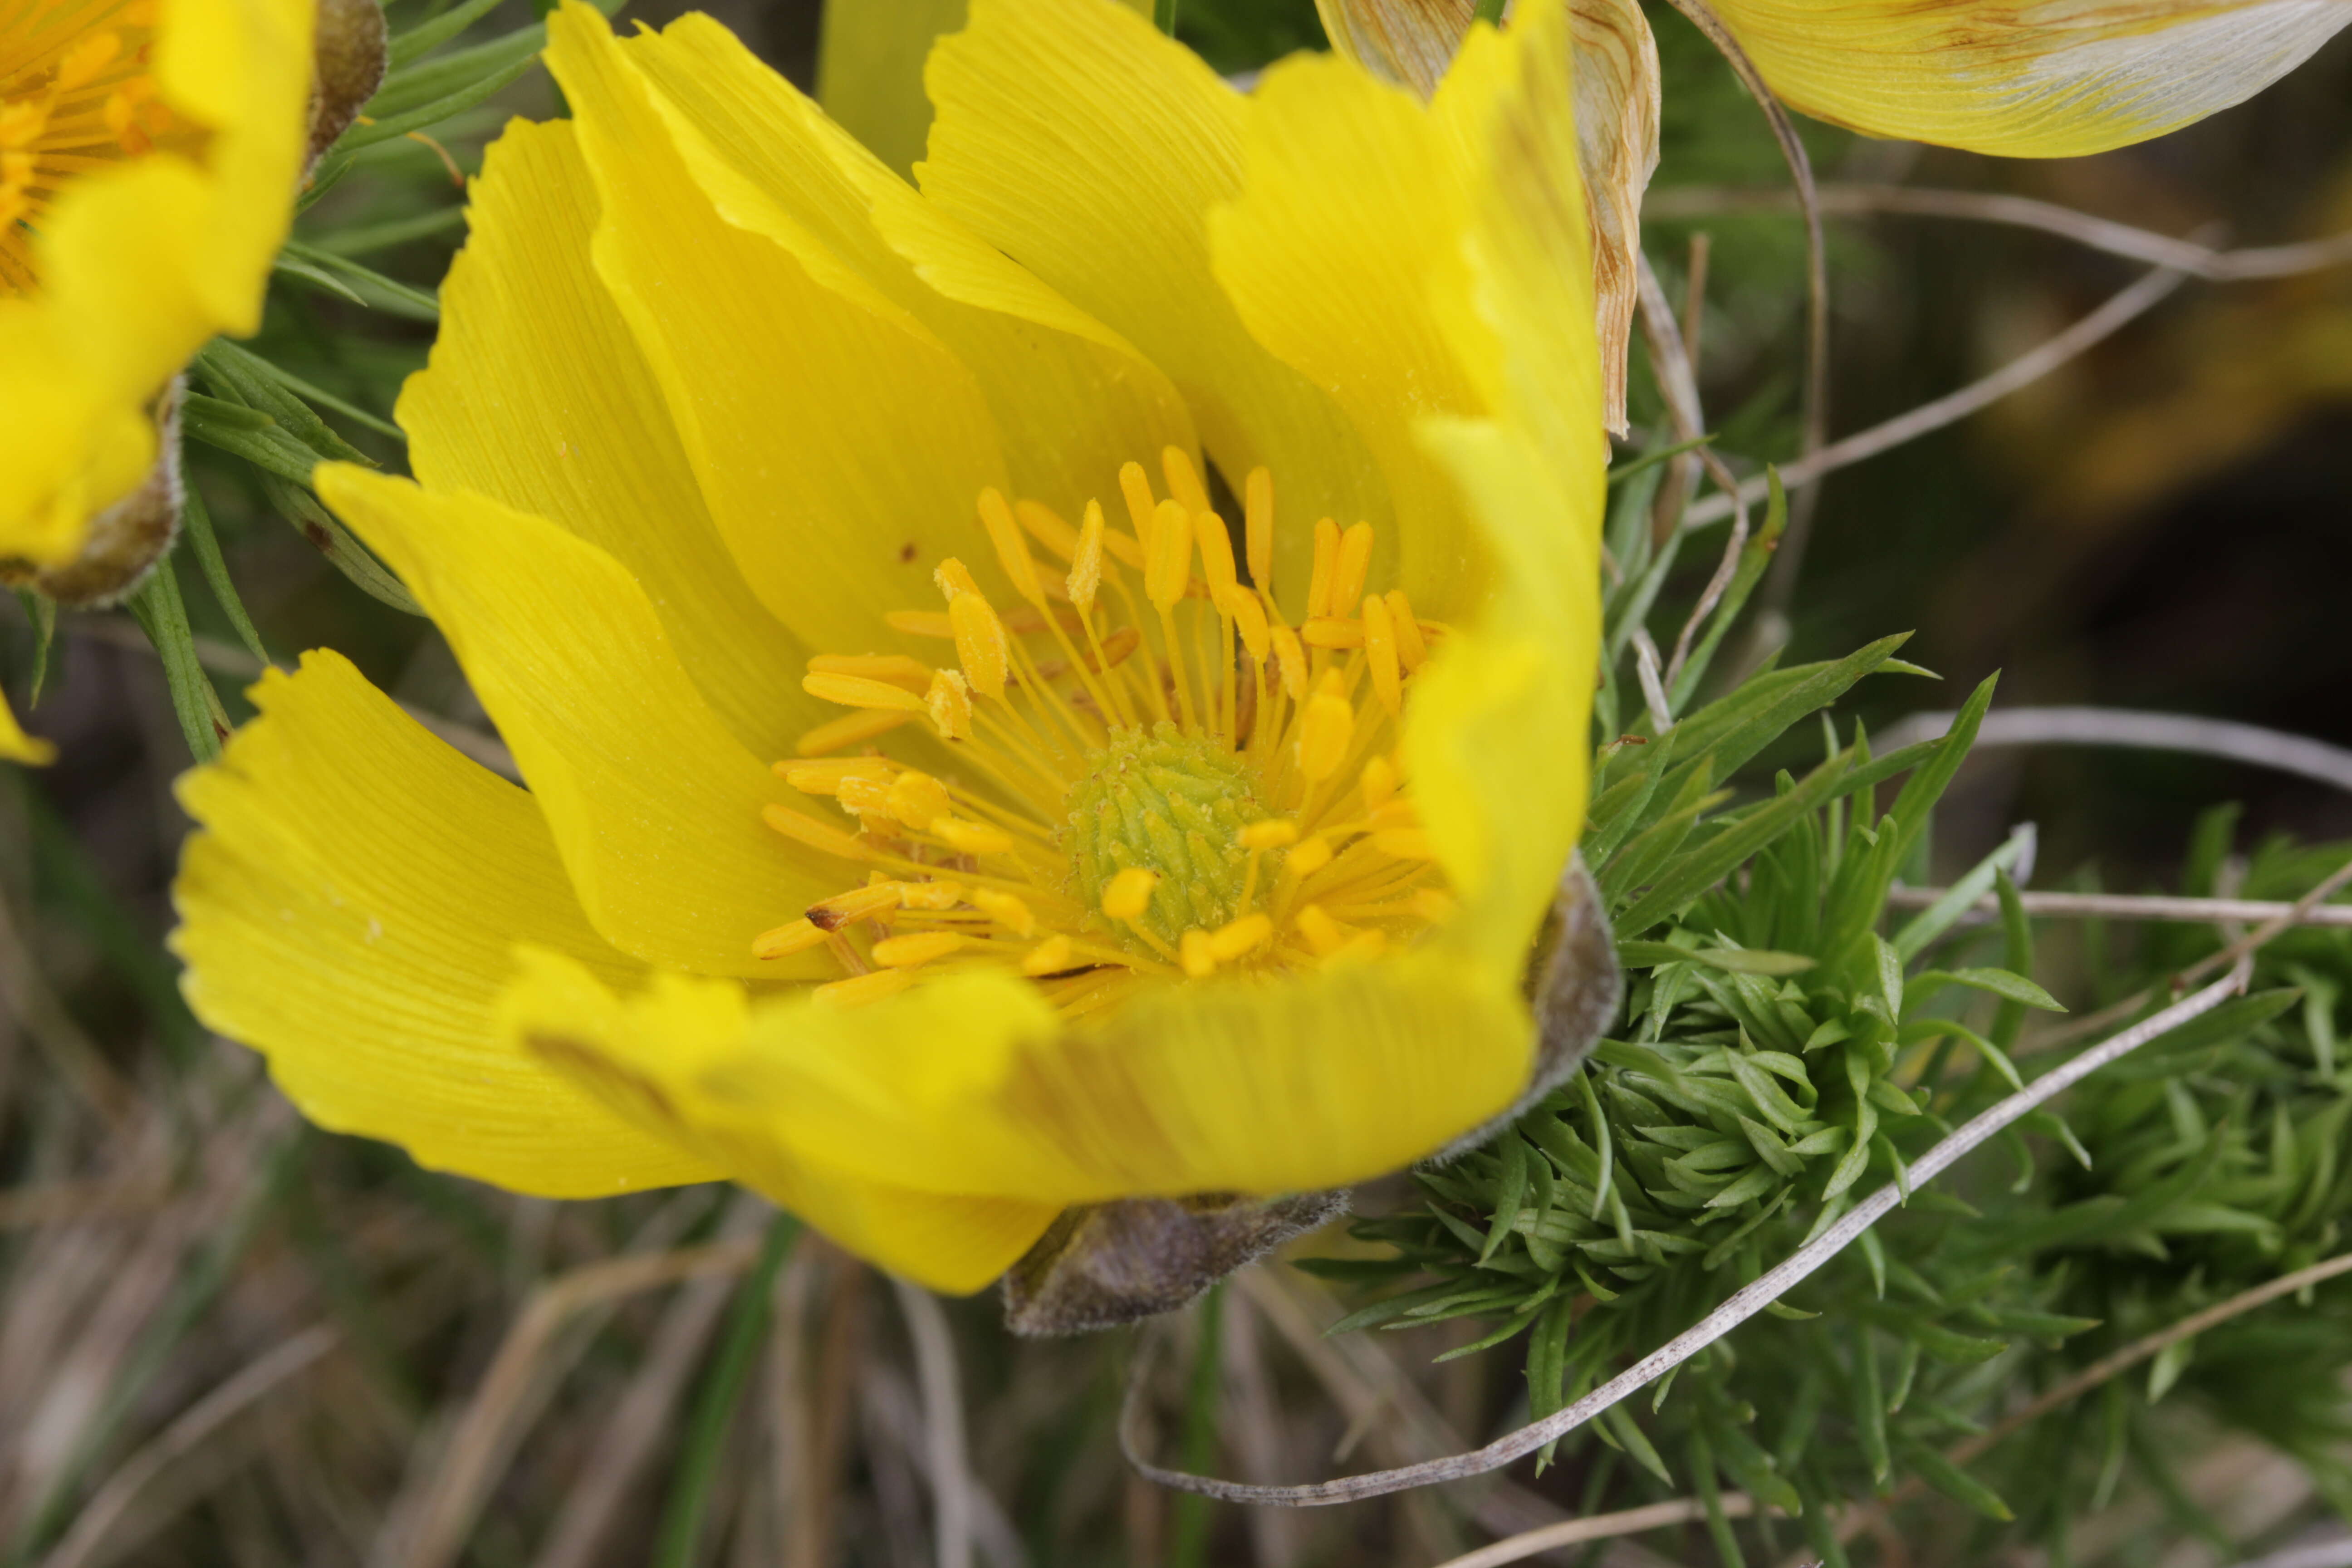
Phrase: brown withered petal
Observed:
(1100, 1265)
(1413, 41)
(124, 541)
(350, 55)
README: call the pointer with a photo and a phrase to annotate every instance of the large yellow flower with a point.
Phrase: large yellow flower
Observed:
(1111, 853)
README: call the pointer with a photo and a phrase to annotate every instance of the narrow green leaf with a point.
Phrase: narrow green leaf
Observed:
(1692, 873)
(1998, 982)
(1955, 1482)
(196, 517)
(161, 613)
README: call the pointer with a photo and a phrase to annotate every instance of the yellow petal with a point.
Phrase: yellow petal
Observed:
(350, 911)
(646, 1057)
(15, 746)
(1070, 400)
(654, 807)
(1080, 142)
(139, 262)
(838, 444)
(970, 1085)
(2042, 81)
(870, 72)
(537, 398)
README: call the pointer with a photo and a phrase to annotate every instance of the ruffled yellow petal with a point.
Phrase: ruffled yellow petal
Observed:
(2027, 79)
(640, 1056)
(1089, 148)
(136, 265)
(838, 444)
(1069, 399)
(538, 397)
(15, 746)
(350, 911)
(653, 806)
(971, 1085)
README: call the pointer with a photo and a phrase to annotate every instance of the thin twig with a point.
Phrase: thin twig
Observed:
(1738, 1309)
(2021, 212)
(2137, 907)
(935, 1368)
(196, 1424)
(1803, 485)
(1598, 1527)
(2334, 1553)
(2226, 738)
(2100, 325)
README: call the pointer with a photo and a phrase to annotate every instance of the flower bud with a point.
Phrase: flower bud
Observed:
(349, 55)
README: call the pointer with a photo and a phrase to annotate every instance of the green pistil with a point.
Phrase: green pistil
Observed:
(1169, 802)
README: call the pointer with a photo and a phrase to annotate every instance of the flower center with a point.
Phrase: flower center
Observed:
(1121, 788)
(76, 93)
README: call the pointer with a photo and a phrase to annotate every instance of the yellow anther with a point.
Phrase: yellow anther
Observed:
(919, 623)
(917, 799)
(1396, 812)
(1273, 833)
(1249, 614)
(948, 702)
(1216, 557)
(1129, 893)
(785, 941)
(1412, 652)
(824, 777)
(1332, 631)
(954, 579)
(1326, 566)
(863, 794)
(1362, 946)
(1168, 565)
(1050, 956)
(86, 59)
(857, 904)
(1011, 550)
(1197, 953)
(1135, 489)
(1184, 479)
(1434, 904)
(968, 838)
(982, 647)
(1085, 559)
(1116, 648)
(1311, 856)
(1404, 843)
(933, 895)
(895, 667)
(1354, 566)
(864, 988)
(859, 691)
(1380, 653)
(1324, 733)
(1231, 941)
(849, 729)
(23, 121)
(1323, 933)
(912, 951)
(1048, 527)
(809, 832)
(1291, 659)
(1007, 910)
(1379, 783)
(1257, 515)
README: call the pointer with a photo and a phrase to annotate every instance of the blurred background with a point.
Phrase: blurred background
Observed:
(230, 1339)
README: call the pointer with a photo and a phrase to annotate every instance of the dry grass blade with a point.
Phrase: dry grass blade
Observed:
(2024, 212)
(1598, 1527)
(483, 1438)
(25, 993)
(935, 1366)
(1738, 1309)
(2128, 305)
(68, 1203)
(196, 1424)
(2080, 726)
(2138, 907)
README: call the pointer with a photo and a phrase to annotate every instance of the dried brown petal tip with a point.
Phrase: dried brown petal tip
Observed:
(350, 58)
(124, 541)
(1100, 1265)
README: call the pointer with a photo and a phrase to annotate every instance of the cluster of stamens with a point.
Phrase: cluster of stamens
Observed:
(74, 91)
(1135, 788)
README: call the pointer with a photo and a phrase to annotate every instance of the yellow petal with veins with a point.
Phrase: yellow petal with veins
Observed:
(2027, 79)
(350, 910)
(653, 804)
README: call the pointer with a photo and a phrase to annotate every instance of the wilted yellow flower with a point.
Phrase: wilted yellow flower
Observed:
(1127, 838)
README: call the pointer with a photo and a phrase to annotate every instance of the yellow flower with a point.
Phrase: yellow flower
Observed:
(149, 155)
(1110, 853)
